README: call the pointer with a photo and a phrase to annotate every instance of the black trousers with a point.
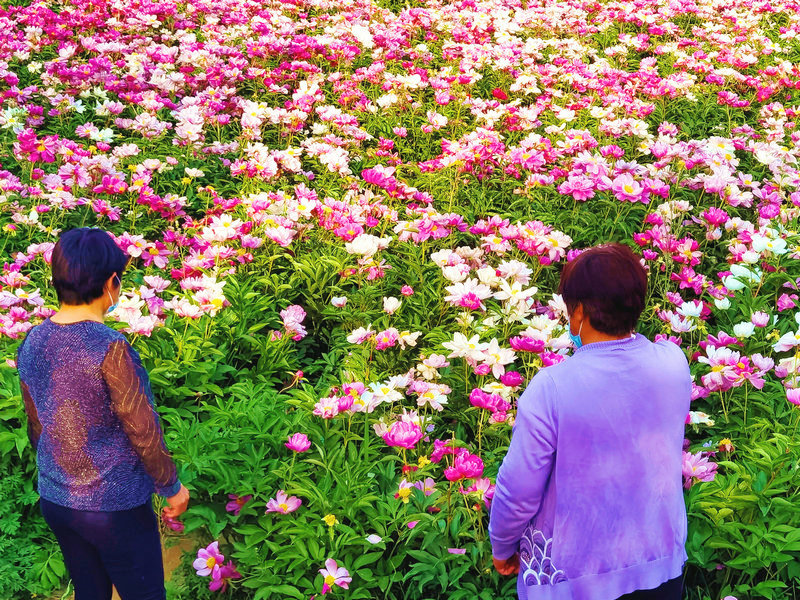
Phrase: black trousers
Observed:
(669, 590)
(122, 547)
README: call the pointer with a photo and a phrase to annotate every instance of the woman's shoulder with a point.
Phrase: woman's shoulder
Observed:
(94, 332)
(672, 350)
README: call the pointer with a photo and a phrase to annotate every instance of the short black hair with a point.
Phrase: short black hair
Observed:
(83, 260)
(610, 283)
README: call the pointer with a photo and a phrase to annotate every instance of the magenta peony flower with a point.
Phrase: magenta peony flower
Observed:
(224, 575)
(208, 560)
(793, 396)
(786, 302)
(465, 466)
(402, 434)
(283, 504)
(236, 503)
(511, 378)
(333, 574)
(696, 467)
(298, 442)
(173, 524)
(490, 402)
(526, 344)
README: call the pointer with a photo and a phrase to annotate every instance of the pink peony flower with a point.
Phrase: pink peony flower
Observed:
(786, 301)
(208, 560)
(298, 442)
(793, 396)
(526, 344)
(283, 504)
(237, 502)
(224, 575)
(465, 466)
(386, 339)
(333, 574)
(511, 378)
(407, 290)
(172, 523)
(697, 467)
(403, 434)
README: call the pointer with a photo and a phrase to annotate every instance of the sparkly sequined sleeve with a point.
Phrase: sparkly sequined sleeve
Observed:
(34, 426)
(132, 402)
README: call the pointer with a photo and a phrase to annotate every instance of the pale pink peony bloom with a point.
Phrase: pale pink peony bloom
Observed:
(283, 504)
(209, 560)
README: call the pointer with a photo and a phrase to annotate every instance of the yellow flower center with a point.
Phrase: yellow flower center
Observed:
(283, 506)
(330, 579)
(210, 562)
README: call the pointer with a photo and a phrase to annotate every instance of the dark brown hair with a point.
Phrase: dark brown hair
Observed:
(611, 285)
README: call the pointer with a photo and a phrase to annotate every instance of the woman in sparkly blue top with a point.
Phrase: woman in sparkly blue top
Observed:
(99, 446)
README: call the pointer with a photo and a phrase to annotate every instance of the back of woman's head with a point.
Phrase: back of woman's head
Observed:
(610, 283)
(83, 260)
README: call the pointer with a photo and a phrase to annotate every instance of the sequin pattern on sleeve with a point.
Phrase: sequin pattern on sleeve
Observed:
(132, 402)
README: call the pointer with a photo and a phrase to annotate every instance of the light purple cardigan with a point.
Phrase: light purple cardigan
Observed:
(590, 491)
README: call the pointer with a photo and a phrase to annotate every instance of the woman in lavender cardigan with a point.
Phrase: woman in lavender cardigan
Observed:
(589, 502)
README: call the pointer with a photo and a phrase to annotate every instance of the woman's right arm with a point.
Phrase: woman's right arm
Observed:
(34, 426)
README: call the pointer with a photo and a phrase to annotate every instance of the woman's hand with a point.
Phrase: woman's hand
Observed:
(509, 566)
(177, 503)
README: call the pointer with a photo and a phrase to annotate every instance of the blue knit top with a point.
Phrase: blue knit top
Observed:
(91, 418)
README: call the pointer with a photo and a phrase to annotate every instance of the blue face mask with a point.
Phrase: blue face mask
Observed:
(110, 297)
(576, 339)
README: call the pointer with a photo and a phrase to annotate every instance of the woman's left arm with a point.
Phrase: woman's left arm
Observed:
(526, 467)
(34, 426)
(132, 402)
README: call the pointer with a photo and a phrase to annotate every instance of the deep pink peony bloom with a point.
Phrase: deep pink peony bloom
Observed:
(224, 575)
(237, 502)
(465, 466)
(793, 396)
(787, 301)
(442, 448)
(403, 434)
(298, 442)
(511, 378)
(172, 523)
(526, 344)
(491, 402)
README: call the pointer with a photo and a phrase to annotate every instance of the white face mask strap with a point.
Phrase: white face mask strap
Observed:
(108, 291)
(581, 327)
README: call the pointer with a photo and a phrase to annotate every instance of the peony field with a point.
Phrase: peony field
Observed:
(347, 221)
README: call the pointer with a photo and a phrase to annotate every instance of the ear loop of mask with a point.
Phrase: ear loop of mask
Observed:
(576, 339)
(115, 304)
